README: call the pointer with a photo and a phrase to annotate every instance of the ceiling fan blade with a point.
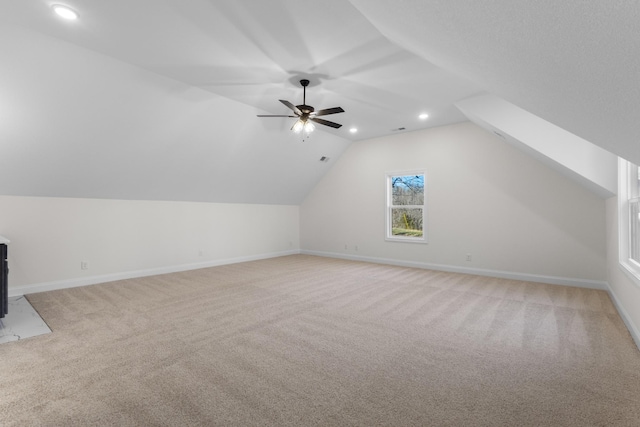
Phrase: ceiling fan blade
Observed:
(325, 122)
(327, 111)
(292, 107)
(272, 115)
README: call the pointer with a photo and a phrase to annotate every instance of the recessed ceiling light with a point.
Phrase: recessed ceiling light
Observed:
(423, 116)
(353, 130)
(65, 12)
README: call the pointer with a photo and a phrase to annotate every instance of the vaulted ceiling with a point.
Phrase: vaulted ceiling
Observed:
(157, 99)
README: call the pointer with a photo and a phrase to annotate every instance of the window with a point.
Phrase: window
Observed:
(629, 218)
(405, 219)
(634, 212)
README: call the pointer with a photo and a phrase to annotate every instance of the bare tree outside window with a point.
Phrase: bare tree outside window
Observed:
(406, 206)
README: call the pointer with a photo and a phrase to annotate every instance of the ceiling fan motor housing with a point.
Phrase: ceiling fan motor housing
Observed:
(306, 109)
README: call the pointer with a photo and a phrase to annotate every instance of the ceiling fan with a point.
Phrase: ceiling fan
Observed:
(306, 113)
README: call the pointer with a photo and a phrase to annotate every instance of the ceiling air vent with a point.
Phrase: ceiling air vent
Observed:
(324, 159)
(398, 129)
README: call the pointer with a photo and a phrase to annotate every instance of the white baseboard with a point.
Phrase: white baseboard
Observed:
(93, 280)
(631, 327)
(564, 281)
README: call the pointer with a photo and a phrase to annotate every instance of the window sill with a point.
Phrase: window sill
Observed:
(406, 240)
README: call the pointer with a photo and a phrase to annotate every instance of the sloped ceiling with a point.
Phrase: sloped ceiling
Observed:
(573, 63)
(157, 99)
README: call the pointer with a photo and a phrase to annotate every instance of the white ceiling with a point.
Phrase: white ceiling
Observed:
(574, 63)
(157, 99)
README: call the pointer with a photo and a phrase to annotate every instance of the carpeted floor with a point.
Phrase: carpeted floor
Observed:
(306, 341)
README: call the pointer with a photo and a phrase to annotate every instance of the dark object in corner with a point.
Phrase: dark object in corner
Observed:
(4, 282)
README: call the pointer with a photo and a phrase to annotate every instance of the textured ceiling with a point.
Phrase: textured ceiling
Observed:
(156, 99)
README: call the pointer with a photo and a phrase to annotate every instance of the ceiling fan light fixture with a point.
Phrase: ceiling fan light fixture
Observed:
(303, 124)
(309, 127)
(298, 126)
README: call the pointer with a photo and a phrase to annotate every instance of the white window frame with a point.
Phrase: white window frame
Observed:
(388, 208)
(628, 265)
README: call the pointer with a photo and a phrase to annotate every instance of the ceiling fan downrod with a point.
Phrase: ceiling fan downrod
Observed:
(304, 83)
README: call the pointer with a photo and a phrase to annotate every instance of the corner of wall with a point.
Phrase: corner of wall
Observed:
(631, 327)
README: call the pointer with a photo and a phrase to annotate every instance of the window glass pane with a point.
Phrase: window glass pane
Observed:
(634, 230)
(406, 222)
(407, 190)
(634, 181)
(406, 207)
(634, 213)
(629, 219)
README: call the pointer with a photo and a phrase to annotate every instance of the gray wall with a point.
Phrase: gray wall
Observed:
(484, 198)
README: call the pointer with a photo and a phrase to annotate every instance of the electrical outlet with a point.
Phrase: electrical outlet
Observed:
(346, 246)
(84, 265)
(356, 248)
(468, 257)
(200, 252)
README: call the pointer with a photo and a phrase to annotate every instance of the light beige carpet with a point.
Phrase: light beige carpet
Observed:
(305, 341)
